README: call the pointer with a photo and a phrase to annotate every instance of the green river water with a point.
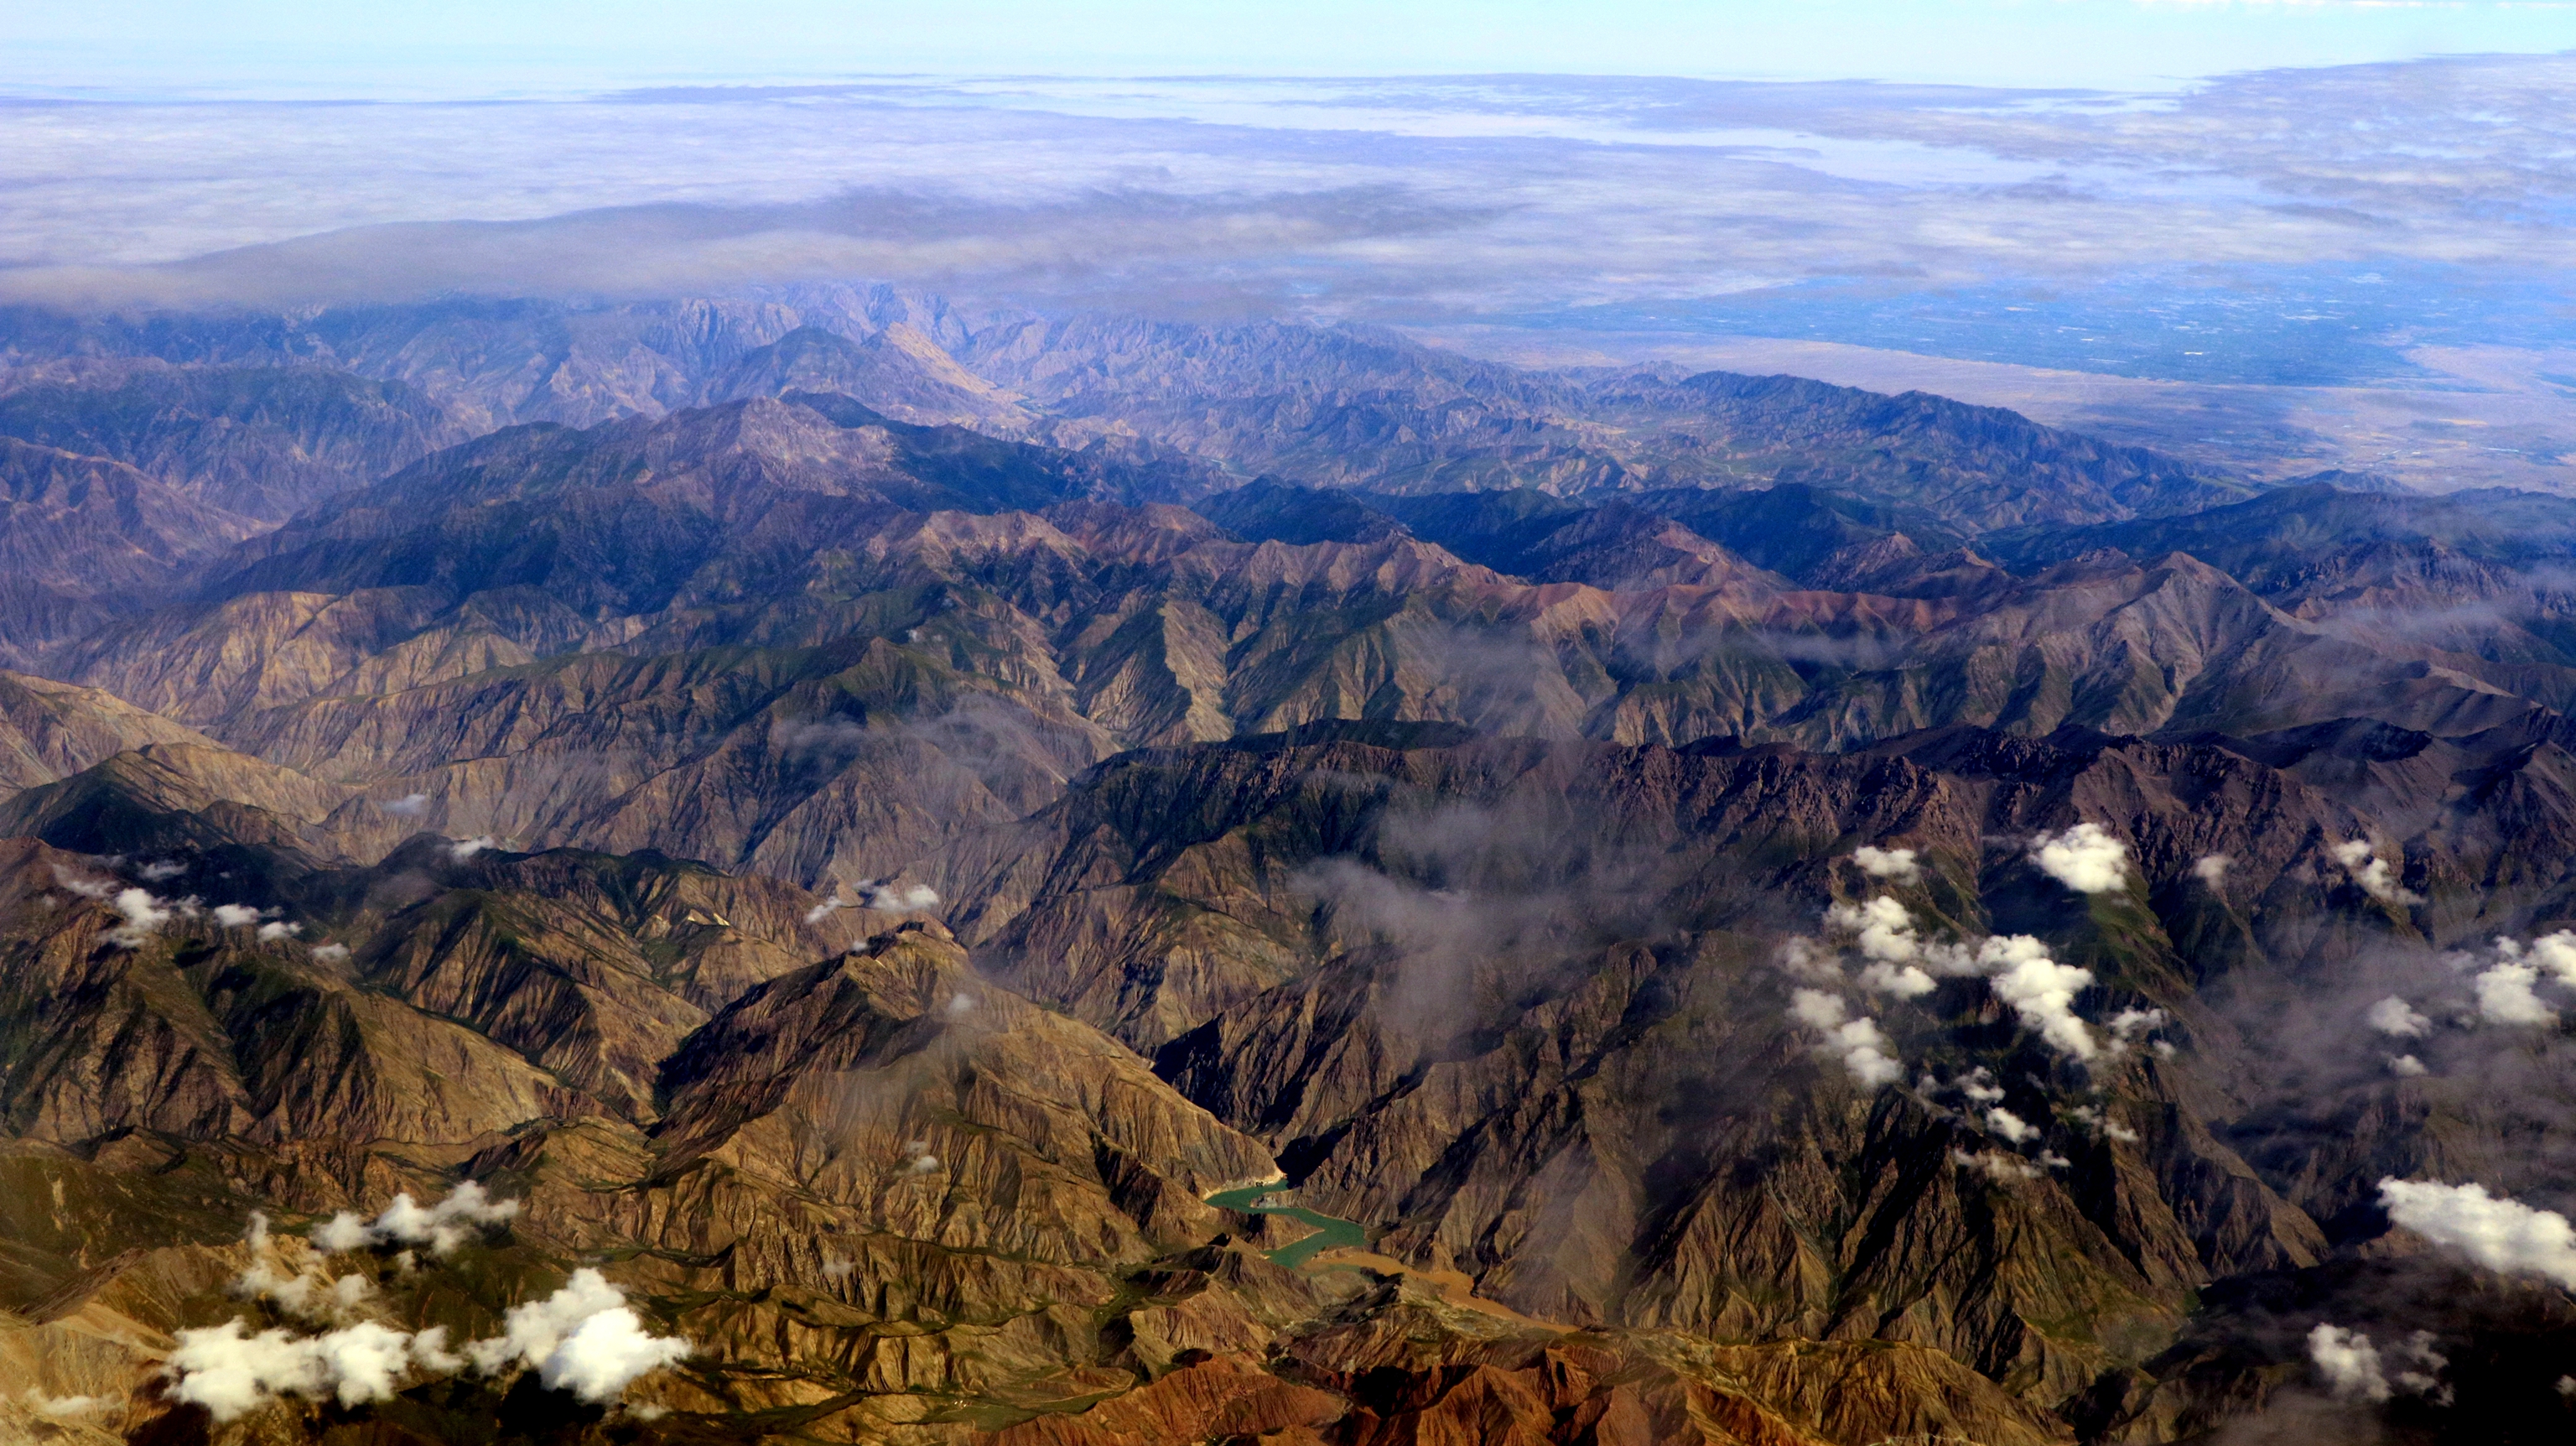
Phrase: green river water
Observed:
(1331, 1232)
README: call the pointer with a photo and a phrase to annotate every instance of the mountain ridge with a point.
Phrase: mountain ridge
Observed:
(1769, 913)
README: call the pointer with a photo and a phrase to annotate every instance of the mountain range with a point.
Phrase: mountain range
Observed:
(1076, 879)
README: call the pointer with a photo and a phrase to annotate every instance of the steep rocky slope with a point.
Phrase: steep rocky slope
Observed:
(942, 670)
(719, 636)
(1615, 546)
(263, 442)
(489, 363)
(1516, 1008)
(897, 371)
(1321, 406)
(880, 1197)
(85, 541)
(1523, 1010)
(2478, 573)
(636, 1051)
(1941, 935)
(51, 730)
(1349, 408)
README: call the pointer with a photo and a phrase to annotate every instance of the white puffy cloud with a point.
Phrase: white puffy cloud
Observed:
(2211, 869)
(1806, 959)
(236, 916)
(2500, 1234)
(607, 1352)
(874, 894)
(2394, 1016)
(2348, 1362)
(584, 1338)
(63, 1408)
(343, 1232)
(410, 805)
(83, 885)
(306, 1294)
(1995, 1165)
(429, 1352)
(2554, 953)
(2354, 1369)
(2098, 1119)
(364, 1361)
(1878, 863)
(467, 848)
(271, 933)
(2011, 1126)
(2040, 990)
(1881, 928)
(2505, 995)
(1884, 934)
(2084, 857)
(1902, 980)
(2372, 873)
(230, 1373)
(2129, 1024)
(886, 898)
(2406, 1066)
(1856, 1042)
(331, 953)
(2424, 1361)
(143, 914)
(442, 1227)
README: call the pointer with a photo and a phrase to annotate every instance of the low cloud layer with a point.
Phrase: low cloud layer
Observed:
(1385, 199)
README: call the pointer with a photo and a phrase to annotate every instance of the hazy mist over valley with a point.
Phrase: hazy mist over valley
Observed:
(1352, 726)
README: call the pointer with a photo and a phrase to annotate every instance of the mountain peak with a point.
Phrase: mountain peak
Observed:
(897, 371)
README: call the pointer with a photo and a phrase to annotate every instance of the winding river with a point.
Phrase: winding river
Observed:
(1331, 1232)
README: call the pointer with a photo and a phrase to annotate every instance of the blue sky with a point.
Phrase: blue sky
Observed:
(301, 48)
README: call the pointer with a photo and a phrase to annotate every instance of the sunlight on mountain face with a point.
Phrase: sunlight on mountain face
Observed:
(1097, 756)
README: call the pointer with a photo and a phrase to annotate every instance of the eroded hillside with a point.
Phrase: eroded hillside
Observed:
(808, 842)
